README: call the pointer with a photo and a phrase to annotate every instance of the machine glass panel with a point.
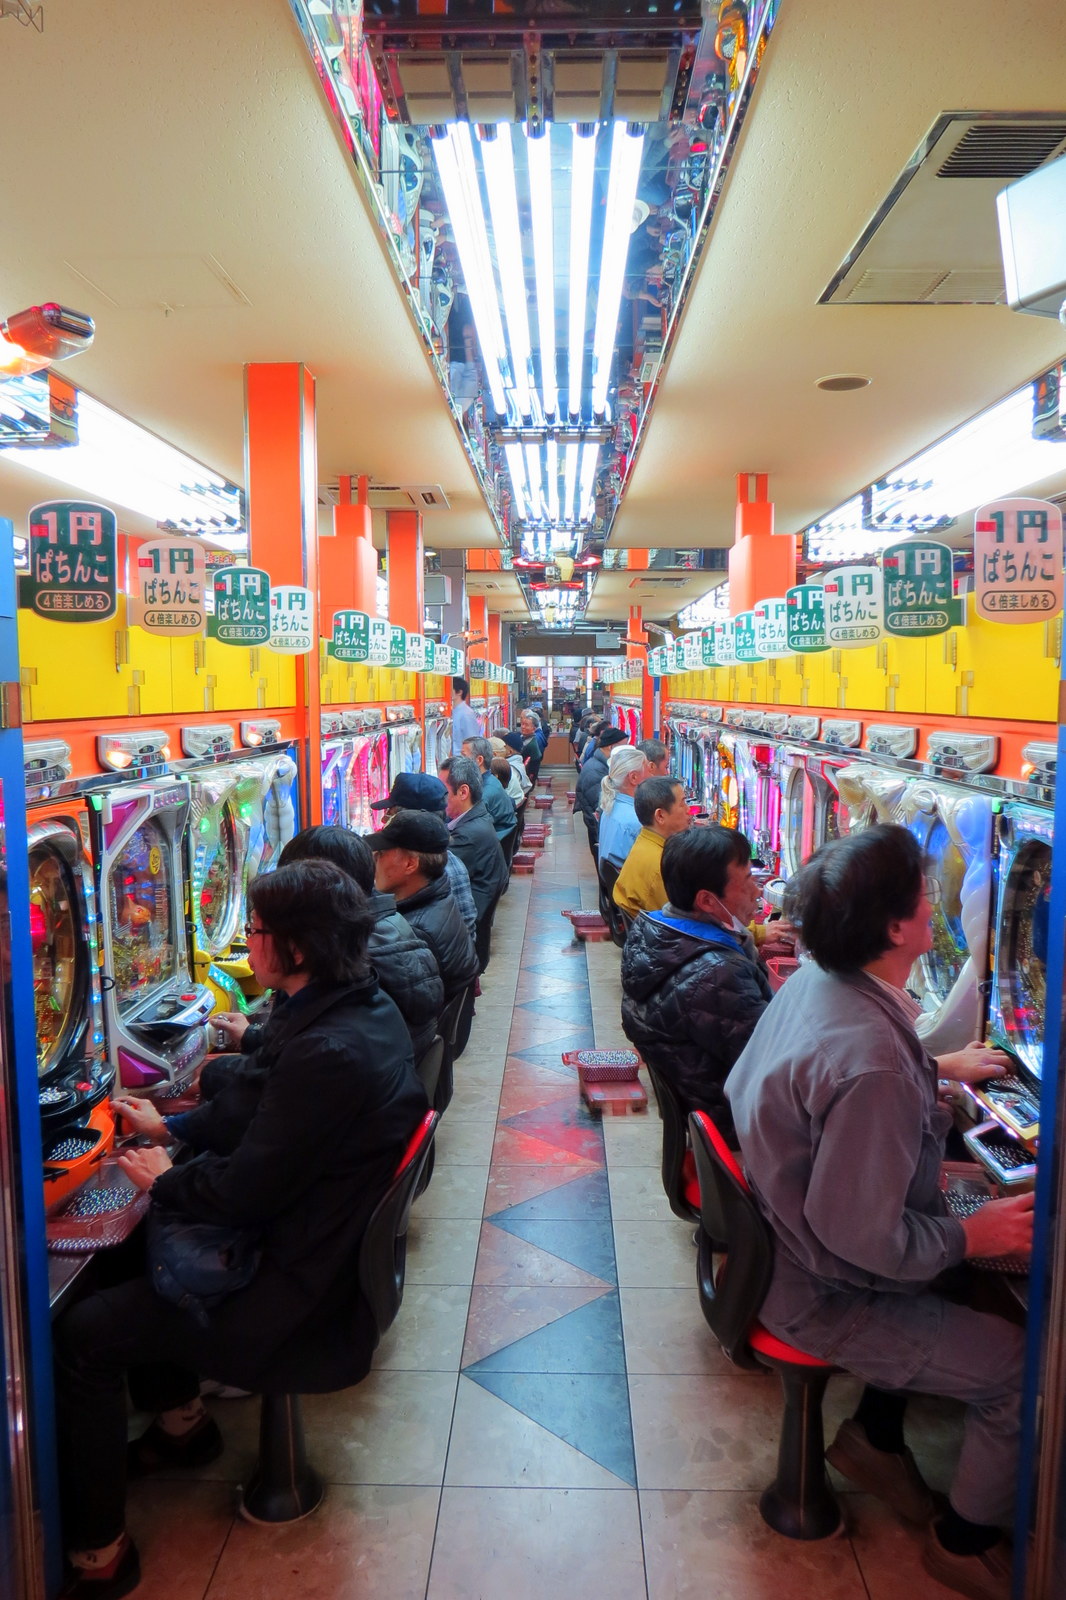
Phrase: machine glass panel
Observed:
(941, 965)
(143, 937)
(219, 880)
(1022, 950)
(58, 952)
(792, 831)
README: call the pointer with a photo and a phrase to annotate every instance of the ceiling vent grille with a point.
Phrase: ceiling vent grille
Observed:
(1006, 151)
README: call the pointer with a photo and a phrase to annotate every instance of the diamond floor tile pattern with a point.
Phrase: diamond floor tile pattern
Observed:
(589, 1411)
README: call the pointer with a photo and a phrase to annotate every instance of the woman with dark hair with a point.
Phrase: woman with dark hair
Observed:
(842, 1136)
(339, 1102)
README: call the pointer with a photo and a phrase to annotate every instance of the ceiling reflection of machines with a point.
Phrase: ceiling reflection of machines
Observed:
(74, 1074)
(243, 812)
(1006, 1142)
(155, 1013)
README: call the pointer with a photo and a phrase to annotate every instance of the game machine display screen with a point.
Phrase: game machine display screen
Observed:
(438, 741)
(726, 809)
(358, 816)
(708, 743)
(405, 749)
(73, 1074)
(953, 825)
(337, 754)
(832, 819)
(1018, 999)
(378, 771)
(155, 1010)
(218, 844)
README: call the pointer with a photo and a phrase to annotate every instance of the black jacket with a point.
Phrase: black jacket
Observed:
(474, 841)
(532, 756)
(587, 791)
(433, 914)
(406, 969)
(339, 1101)
(689, 1006)
(499, 806)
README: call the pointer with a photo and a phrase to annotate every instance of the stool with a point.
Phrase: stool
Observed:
(523, 863)
(588, 926)
(609, 1080)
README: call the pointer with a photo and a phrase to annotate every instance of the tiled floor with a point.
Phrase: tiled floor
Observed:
(548, 1419)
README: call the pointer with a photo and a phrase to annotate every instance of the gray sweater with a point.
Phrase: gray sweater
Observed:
(835, 1105)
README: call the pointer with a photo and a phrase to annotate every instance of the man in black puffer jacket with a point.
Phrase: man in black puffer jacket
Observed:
(592, 774)
(411, 853)
(692, 986)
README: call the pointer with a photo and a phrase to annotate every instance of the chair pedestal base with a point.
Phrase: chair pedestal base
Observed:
(284, 1487)
(800, 1504)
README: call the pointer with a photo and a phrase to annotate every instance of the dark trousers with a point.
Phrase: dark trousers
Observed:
(125, 1333)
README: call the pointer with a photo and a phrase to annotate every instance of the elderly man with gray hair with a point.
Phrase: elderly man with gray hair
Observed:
(493, 794)
(619, 824)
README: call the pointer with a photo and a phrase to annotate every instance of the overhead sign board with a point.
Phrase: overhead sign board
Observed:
(167, 587)
(72, 576)
(1018, 553)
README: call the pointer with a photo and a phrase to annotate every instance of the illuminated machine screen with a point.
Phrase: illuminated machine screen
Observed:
(139, 889)
(57, 941)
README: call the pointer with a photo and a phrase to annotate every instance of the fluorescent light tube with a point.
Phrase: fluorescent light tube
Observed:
(626, 152)
(570, 483)
(553, 480)
(533, 476)
(589, 458)
(583, 171)
(498, 157)
(538, 155)
(455, 164)
(513, 453)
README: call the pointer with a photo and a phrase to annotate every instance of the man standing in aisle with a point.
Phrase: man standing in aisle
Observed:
(464, 719)
(661, 811)
(619, 826)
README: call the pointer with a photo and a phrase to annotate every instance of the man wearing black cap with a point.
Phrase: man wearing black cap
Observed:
(588, 784)
(421, 791)
(411, 854)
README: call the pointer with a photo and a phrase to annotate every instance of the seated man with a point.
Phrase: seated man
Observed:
(473, 839)
(590, 781)
(410, 852)
(842, 1137)
(661, 811)
(626, 769)
(421, 791)
(692, 985)
(658, 757)
(493, 793)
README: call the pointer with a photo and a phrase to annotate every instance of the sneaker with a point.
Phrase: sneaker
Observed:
(159, 1451)
(892, 1478)
(121, 1578)
(983, 1577)
(210, 1389)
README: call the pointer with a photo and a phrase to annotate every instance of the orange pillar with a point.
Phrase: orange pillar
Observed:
(637, 650)
(495, 644)
(407, 584)
(347, 563)
(281, 468)
(761, 565)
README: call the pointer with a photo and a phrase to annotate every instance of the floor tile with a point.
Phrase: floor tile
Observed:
(705, 1432)
(461, 1143)
(503, 1315)
(889, 1552)
(665, 1333)
(442, 1249)
(588, 1339)
(637, 1195)
(513, 1148)
(518, 1096)
(428, 1333)
(510, 1185)
(506, 1260)
(587, 1243)
(586, 1410)
(701, 1545)
(180, 1530)
(454, 1191)
(655, 1255)
(493, 1445)
(391, 1428)
(564, 1123)
(583, 1199)
(633, 1141)
(526, 1544)
(366, 1543)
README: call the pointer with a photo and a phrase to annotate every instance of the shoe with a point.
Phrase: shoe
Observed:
(892, 1478)
(983, 1577)
(121, 1580)
(211, 1389)
(157, 1451)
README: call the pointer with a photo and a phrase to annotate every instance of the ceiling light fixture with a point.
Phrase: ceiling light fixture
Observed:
(842, 382)
(570, 483)
(589, 459)
(539, 157)
(513, 452)
(582, 174)
(455, 164)
(497, 155)
(626, 152)
(553, 480)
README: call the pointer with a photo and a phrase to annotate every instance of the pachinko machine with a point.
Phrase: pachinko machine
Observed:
(405, 741)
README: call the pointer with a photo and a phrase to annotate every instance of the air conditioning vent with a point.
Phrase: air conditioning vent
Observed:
(394, 496)
(1004, 151)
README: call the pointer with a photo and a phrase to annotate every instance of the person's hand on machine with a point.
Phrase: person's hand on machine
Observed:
(141, 1119)
(1001, 1228)
(143, 1167)
(976, 1063)
(231, 1023)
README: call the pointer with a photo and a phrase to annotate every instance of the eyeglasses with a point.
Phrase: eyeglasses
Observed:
(252, 932)
(933, 892)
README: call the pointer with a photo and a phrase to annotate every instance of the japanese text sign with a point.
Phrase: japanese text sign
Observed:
(432, 652)
(771, 628)
(380, 637)
(744, 636)
(397, 645)
(657, 661)
(806, 618)
(72, 561)
(692, 652)
(725, 642)
(854, 607)
(292, 619)
(415, 660)
(675, 656)
(351, 636)
(1018, 553)
(710, 657)
(242, 607)
(919, 589)
(167, 587)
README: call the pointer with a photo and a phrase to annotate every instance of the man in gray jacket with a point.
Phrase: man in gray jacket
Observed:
(842, 1137)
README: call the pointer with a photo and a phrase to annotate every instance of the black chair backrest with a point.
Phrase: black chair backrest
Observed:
(428, 1066)
(613, 915)
(383, 1253)
(675, 1141)
(731, 1302)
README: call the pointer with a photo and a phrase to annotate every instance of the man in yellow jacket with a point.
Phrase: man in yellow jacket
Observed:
(661, 811)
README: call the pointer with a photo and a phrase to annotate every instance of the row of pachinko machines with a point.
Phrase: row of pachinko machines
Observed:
(627, 715)
(138, 883)
(790, 783)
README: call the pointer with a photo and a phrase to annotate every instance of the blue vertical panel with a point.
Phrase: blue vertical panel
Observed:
(27, 1200)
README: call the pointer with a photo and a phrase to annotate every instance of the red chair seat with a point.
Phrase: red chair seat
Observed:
(767, 1344)
(690, 1184)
